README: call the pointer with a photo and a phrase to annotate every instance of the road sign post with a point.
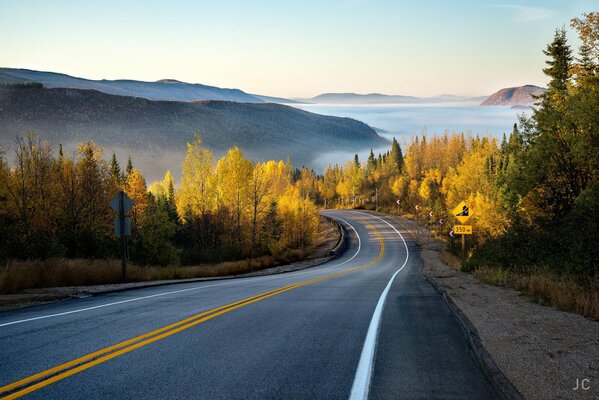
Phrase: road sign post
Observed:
(122, 204)
(462, 213)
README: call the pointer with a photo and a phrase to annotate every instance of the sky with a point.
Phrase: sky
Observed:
(292, 48)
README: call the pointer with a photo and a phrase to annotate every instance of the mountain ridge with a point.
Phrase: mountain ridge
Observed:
(517, 96)
(156, 132)
(162, 89)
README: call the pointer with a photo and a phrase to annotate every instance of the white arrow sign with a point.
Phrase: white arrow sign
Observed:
(451, 233)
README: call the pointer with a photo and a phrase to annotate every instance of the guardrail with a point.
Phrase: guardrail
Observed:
(341, 244)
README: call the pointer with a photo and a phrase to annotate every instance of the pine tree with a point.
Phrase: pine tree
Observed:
(129, 166)
(396, 156)
(60, 154)
(115, 169)
(371, 163)
(559, 63)
(356, 160)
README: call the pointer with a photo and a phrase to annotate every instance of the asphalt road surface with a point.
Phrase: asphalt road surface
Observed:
(365, 325)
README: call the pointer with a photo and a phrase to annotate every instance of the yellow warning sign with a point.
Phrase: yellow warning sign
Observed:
(462, 212)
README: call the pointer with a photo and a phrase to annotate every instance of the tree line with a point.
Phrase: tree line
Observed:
(57, 206)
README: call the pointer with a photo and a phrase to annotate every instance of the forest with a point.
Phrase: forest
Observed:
(534, 192)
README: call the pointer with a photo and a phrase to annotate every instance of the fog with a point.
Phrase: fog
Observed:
(404, 121)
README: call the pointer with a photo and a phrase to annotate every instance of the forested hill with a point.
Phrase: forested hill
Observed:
(155, 132)
(165, 89)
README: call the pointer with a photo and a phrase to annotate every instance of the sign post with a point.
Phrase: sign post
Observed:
(462, 213)
(122, 204)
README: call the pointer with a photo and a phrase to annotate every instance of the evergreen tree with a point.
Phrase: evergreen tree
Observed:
(371, 163)
(356, 160)
(560, 59)
(60, 154)
(129, 166)
(396, 156)
(115, 169)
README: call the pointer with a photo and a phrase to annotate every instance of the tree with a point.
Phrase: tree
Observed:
(258, 191)
(396, 157)
(136, 189)
(559, 62)
(115, 170)
(197, 193)
(234, 174)
(129, 165)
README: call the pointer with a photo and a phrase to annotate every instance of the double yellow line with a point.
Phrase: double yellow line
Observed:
(42, 379)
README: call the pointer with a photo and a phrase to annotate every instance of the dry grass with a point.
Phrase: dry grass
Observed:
(452, 261)
(562, 293)
(19, 275)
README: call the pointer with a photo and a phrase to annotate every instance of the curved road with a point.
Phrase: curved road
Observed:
(365, 325)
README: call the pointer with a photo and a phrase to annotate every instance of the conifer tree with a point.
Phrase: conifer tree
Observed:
(129, 166)
(396, 156)
(115, 169)
(560, 59)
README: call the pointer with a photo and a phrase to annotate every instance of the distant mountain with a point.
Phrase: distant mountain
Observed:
(277, 100)
(165, 89)
(378, 98)
(155, 132)
(514, 96)
(354, 98)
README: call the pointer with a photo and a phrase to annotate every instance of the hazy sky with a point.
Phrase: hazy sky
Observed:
(292, 48)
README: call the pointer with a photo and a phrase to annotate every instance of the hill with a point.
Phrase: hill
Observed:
(164, 89)
(514, 96)
(155, 132)
(354, 98)
(378, 98)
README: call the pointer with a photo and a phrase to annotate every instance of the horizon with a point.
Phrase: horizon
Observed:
(462, 49)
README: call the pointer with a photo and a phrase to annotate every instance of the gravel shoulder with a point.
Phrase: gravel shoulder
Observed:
(545, 353)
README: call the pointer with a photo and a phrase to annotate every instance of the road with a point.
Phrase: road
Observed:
(365, 325)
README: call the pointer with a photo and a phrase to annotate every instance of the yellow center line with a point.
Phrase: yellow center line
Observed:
(62, 371)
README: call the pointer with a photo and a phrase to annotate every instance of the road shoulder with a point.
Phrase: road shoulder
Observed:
(545, 353)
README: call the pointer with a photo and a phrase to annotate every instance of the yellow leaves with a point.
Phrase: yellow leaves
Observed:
(160, 188)
(430, 184)
(196, 194)
(136, 189)
(300, 218)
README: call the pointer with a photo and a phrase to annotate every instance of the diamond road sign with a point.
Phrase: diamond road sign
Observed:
(117, 227)
(462, 212)
(127, 203)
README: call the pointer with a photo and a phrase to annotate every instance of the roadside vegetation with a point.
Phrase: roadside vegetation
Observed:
(54, 215)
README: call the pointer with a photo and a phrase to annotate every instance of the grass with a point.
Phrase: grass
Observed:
(19, 275)
(543, 287)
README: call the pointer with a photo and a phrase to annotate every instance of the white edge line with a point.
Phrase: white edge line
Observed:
(361, 385)
(166, 293)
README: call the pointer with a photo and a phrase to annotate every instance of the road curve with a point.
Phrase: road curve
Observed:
(365, 325)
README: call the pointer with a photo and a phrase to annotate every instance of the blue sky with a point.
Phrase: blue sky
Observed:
(292, 48)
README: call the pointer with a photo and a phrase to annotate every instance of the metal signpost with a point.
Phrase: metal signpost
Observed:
(462, 213)
(122, 204)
